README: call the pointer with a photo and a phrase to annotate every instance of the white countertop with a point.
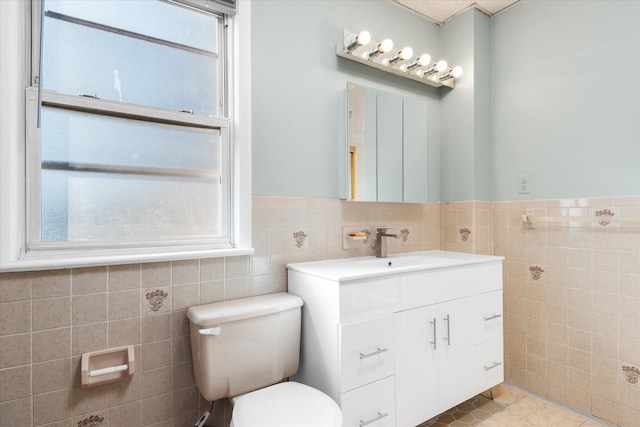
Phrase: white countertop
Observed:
(345, 269)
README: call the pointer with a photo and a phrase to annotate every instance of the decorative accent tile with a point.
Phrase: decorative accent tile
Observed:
(300, 237)
(604, 214)
(91, 421)
(156, 299)
(365, 241)
(536, 272)
(631, 373)
(405, 234)
(464, 234)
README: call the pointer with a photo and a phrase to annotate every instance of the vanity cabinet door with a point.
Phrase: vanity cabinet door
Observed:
(417, 368)
(455, 351)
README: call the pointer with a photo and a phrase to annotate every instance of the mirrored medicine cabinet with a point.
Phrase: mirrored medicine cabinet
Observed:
(386, 146)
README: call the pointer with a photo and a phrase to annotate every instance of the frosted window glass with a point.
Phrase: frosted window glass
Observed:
(180, 75)
(172, 186)
(105, 207)
(76, 137)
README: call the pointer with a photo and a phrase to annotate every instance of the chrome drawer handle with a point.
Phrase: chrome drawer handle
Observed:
(448, 337)
(373, 353)
(495, 316)
(494, 365)
(373, 420)
(434, 342)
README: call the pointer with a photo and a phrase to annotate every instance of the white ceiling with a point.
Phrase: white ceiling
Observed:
(439, 11)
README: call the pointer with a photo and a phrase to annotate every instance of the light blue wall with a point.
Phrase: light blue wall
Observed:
(299, 85)
(551, 90)
(457, 149)
(483, 189)
(466, 110)
(566, 98)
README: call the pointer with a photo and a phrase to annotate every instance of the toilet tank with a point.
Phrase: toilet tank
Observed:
(242, 345)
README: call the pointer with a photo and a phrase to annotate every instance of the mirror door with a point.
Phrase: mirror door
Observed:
(386, 146)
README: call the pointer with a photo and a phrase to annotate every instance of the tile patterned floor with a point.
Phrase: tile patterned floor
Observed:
(510, 408)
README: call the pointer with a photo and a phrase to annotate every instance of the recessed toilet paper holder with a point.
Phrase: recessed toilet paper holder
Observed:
(106, 366)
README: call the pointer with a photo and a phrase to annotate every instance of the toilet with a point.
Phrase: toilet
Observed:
(243, 349)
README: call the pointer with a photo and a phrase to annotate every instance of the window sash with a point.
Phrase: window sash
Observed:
(34, 97)
(70, 67)
(125, 111)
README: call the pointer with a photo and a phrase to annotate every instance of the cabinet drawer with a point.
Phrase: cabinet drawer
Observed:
(488, 363)
(372, 405)
(367, 352)
(489, 318)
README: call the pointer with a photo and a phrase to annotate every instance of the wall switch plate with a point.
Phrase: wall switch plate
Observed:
(523, 184)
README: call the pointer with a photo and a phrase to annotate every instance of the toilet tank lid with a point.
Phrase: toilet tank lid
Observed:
(244, 308)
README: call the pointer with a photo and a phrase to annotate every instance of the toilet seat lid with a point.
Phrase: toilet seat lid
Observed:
(287, 404)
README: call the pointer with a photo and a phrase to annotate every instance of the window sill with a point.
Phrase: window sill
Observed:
(74, 260)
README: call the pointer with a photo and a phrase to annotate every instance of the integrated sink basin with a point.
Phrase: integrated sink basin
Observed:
(364, 267)
(400, 260)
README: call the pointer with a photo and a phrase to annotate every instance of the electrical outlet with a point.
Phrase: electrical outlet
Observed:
(524, 184)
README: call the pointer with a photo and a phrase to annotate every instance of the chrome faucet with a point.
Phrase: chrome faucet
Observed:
(381, 242)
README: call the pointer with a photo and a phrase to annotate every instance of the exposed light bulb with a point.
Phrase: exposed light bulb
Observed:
(406, 53)
(422, 61)
(403, 55)
(450, 74)
(438, 67)
(383, 47)
(361, 39)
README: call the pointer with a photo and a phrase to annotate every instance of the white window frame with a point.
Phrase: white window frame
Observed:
(15, 75)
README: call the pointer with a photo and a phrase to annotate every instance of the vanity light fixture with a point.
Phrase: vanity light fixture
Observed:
(362, 48)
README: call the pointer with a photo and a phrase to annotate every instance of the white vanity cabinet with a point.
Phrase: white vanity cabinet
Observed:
(397, 348)
(442, 358)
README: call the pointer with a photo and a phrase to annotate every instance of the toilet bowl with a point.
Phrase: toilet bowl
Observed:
(243, 349)
(287, 404)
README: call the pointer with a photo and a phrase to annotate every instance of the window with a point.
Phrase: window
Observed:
(130, 117)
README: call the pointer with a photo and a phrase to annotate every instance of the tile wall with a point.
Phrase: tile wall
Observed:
(572, 307)
(467, 227)
(49, 318)
(572, 303)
